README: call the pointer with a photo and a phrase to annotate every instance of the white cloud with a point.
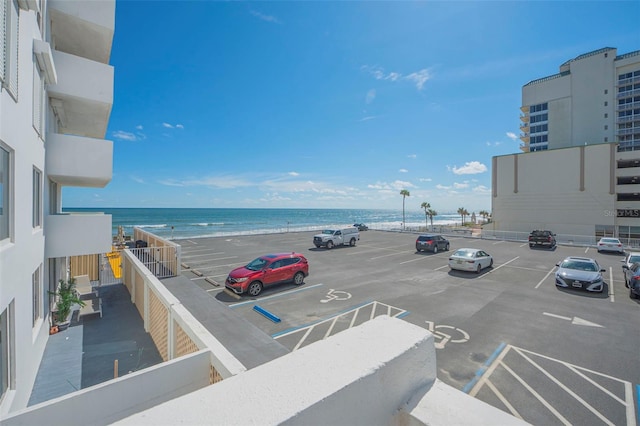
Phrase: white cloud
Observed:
(412, 156)
(167, 125)
(403, 171)
(139, 127)
(294, 174)
(395, 185)
(457, 185)
(371, 117)
(126, 136)
(512, 136)
(481, 189)
(419, 78)
(371, 96)
(263, 17)
(438, 186)
(425, 179)
(137, 179)
(494, 143)
(470, 168)
(179, 126)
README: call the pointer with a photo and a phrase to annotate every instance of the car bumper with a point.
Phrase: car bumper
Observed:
(464, 266)
(596, 287)
(235, 287)
(611, 249)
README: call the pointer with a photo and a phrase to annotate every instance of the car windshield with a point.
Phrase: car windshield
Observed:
(579, 265)
(634, 259)
(257, 264)
(464, 253)
(328, 232)
(610, 240)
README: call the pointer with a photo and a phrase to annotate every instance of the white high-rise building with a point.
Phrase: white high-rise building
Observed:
(586, 180)
(56, 96)
(595, 98)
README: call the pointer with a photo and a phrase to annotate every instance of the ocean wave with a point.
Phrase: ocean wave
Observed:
(164, 225)
(207, 224)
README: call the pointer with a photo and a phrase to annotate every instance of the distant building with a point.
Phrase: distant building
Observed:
(56, 96)
(586, 120)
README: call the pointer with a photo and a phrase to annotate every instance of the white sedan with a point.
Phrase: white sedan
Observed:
(469, 259)
(610, 244)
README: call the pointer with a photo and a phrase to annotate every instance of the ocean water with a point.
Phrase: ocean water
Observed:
(180, 223)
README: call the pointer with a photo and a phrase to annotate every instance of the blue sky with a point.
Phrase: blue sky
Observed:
(331, 104)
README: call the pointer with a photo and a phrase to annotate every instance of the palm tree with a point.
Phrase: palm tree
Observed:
(404, 194)
(431, 213)
(425, 206)
(484, 214)
(462, 212)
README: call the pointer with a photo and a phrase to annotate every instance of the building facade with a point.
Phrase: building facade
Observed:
(579, 172)
(56, 96)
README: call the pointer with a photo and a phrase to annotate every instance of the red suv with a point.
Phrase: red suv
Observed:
(267, 270)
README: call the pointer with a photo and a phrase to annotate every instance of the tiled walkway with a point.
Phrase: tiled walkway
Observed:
(84, 355)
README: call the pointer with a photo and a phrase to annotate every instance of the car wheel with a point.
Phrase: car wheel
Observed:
(352, 242)
(254, 288)
(435, 249)
(478, 269)
(418, 250)
(298, 278)
(626, 283)
(531, 245)
(446, 248)
(329, 245)
(491, 264)
(317, 245)
(632, 294)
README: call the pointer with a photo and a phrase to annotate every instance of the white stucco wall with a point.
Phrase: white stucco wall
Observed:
(548, 191)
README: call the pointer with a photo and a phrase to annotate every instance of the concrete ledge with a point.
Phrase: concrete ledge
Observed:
(361, 376)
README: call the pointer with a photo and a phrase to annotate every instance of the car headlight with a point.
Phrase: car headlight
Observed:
(240, 280)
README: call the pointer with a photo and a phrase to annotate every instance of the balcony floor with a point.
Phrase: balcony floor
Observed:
(83, 355)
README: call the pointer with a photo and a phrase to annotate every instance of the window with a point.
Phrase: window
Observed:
(5, 181)
(37, 198)
(38, 99)
(5, 352)
(629, 197)
(606, 103)
(625, 164)
(37, 294)
(9, 45)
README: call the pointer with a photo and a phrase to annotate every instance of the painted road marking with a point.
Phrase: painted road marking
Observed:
(522, 245)
(191, 256)
(498, 242)
(446, 337)
(545, 277)
(373, 248)
(504, 264)
(336, 295)
(613, 297)
(377, 308)
(286, 293)
(574, 320)
(484, 374)
(487, 367)
(215, 289)
(391, 254)
(441, 267)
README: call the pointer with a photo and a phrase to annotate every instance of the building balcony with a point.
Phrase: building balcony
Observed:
(628, 93)
(627, 81)
(524, 127)
(83, 28)
(75, 234)
(524, 147)
(627, 119)
(628, 189)
(525, 118)
(525, 109)
(524, 137)
(83, 96)
(79, 161)
(630, 131)
(628, 105)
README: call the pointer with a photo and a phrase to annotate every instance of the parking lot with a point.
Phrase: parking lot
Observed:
(507, 336)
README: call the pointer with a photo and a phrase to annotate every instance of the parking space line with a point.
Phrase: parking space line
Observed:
(216, 289)
(498, 242)
(501, 397)
(297, 346)
(566, 389)
(536, 395)
(476, 383)
(522, 245)
(286, 293)
(613, 297)
(390, 254)
(545, 277)
(593, 382)
(504, 264)
(412, 260)
(586, 250)
(374, 248)
(441, 267)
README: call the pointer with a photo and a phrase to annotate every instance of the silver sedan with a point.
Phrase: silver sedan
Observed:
(470, 259)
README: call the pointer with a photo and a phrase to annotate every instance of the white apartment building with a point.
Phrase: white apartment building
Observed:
(580, 170)
(56, 96)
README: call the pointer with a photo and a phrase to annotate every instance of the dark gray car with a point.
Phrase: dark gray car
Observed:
(432, 242)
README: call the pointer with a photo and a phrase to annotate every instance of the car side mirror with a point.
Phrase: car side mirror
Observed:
(624, 266)
(557, 264)
(603, 270)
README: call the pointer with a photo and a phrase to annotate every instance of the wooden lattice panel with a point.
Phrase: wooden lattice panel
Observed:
(184, 344)
(139, 293)
(214, 376)
(159, 325)
(88, 264)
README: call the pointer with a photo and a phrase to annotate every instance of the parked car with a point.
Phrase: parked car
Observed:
(542, 238)
(336, 237)
(268, 270)
(633, 257)
(361, 226)
(580, 273)
(610, 244)
(470, 259)
(632, 280)
(432, 242)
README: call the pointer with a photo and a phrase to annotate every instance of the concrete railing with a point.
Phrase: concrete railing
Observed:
(173, 329)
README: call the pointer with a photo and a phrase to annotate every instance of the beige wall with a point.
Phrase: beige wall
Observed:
(547, 190)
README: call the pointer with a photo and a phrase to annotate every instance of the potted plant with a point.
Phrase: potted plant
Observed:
(66, 298)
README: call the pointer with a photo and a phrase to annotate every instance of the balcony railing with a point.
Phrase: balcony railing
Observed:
(626, 81)
(626, 106)
(628, 93)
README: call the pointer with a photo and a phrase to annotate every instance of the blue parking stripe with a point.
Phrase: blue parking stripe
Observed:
(484, 368)
(404, 314)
